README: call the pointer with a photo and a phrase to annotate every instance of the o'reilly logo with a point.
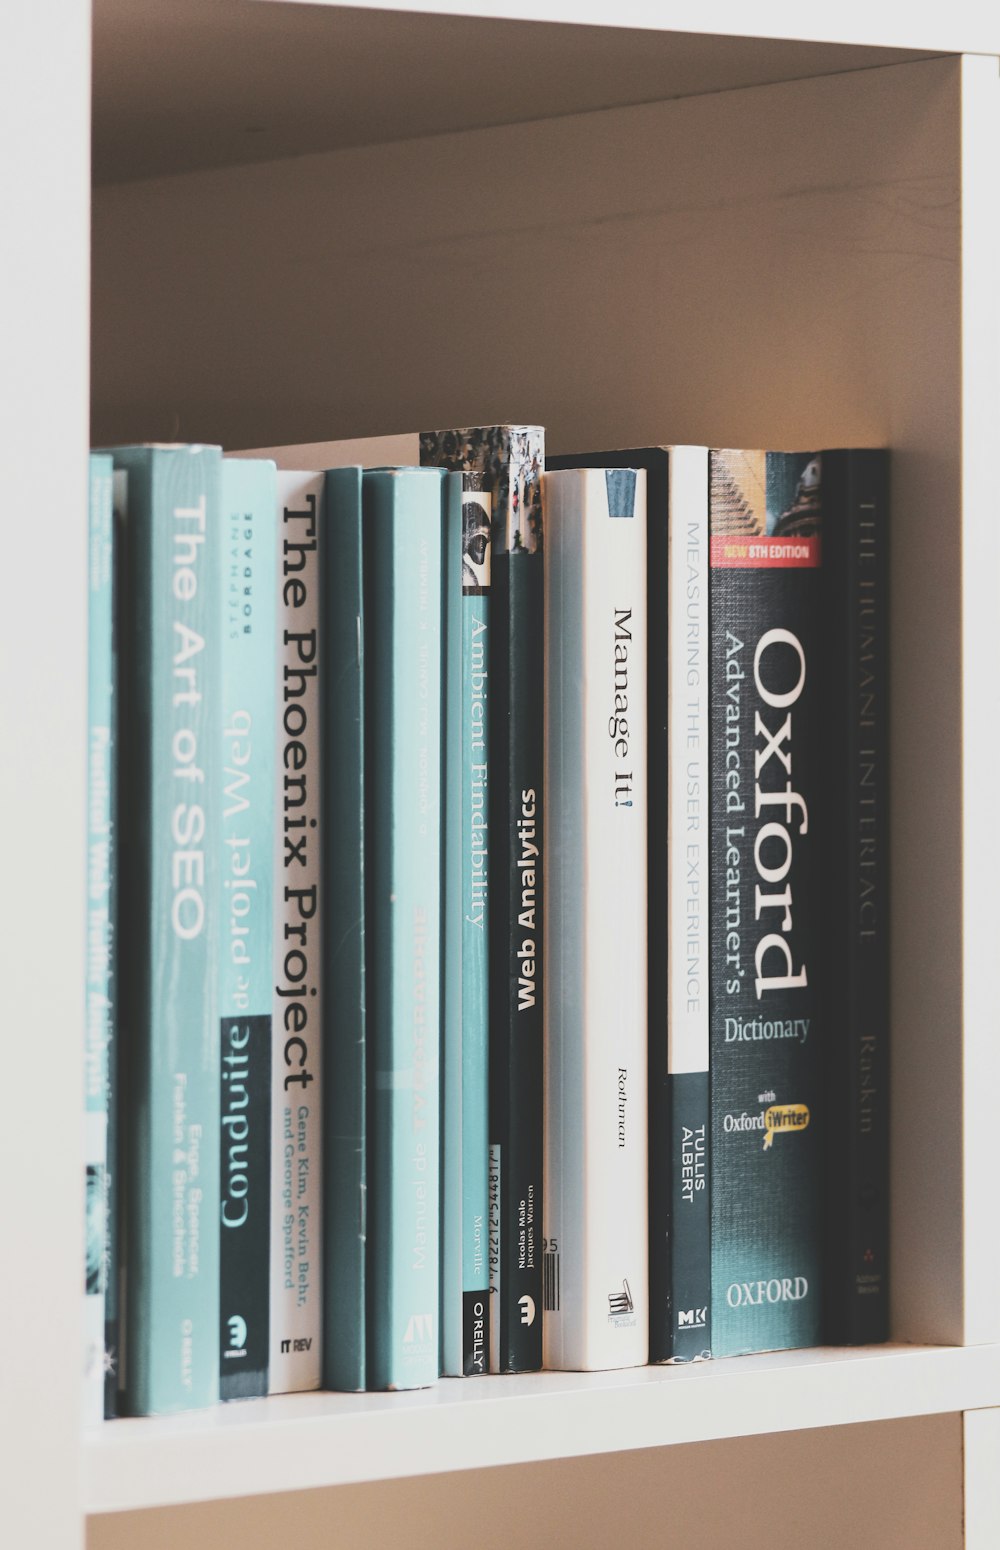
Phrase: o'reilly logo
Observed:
(753, 1294)
(692, 1318)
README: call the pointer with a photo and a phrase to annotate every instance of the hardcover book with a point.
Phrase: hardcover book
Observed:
(403, 553)
(100, 1336)
(170, 844)
(856, 888)
(768, 1018)
(596, 1226)
(345, 1020)
(249, 642)
(677, 713)
(296, 1312)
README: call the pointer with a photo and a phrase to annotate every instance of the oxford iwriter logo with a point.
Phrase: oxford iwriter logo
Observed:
(620, 1304)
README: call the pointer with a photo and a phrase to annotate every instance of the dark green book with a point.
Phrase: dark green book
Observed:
(768, 1019)
(856, 889)
(344, 937)
(170, 843)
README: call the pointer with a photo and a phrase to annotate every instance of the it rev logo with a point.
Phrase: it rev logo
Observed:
(527, 1307)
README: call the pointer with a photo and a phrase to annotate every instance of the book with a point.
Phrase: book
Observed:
(100, 1335)
(769, 1021)
(512, 458)
(677, 718)
(345, 1020)
(855, 486)
(296, 1309)
(168, 853)
(403, 554)
(247, 604)
(465, 1298)
(596, 1309)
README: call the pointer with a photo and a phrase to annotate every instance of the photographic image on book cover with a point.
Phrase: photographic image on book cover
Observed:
(766, 511)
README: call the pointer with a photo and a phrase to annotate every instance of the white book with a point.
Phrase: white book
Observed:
(362, 452)
(296, 1038)
(596, 1312)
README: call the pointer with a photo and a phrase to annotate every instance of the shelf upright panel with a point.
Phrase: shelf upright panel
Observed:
(980, 853)
(44, 265)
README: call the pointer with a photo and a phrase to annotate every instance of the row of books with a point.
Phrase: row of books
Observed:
(488, 937)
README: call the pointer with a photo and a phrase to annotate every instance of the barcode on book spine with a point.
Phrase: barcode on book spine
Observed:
(550, 1281)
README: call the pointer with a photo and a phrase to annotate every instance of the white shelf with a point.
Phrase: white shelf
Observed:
(301, 1442)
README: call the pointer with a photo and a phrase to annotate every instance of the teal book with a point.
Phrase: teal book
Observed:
(169, 847)
(512, 459)
(100, 1337)
(246, 883)
(403, 551)
(344, 885)
(465, 1299)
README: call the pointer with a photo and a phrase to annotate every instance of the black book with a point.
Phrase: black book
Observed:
(856, 890)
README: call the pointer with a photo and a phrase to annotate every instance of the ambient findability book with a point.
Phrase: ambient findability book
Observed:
(513, 457)
(345, 1022)
(768, 1017)
(680, 1260)
(169, 849)
(247, 623)
(403, 520)
(596, 1225)
(855, 486)
(465, 1298)
(100, 1336)
(296, 1315)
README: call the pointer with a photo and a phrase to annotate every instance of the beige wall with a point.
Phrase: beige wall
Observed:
(885, 1486)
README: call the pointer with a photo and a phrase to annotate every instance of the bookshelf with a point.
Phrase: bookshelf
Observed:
(785, 239)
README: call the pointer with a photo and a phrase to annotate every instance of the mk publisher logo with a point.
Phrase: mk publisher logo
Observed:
(692, 1318)
(419, 1329)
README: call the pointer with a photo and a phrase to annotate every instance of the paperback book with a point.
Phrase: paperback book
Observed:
(296, 1317)
(596, 1230)
(403, 519)
(169, 848)
(100, 1335)
(249, 642)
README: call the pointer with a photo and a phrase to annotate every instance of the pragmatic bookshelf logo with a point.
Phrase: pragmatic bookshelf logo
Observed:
(620, 1304)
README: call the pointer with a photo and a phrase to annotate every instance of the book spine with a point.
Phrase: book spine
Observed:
(512, 457)
(99, 1342)
(767, 1014)
(476, 1303)
(403, 553)
(856, 891)
(296, 1060)
(247, 604)
(344, 935)
(453, 777)
(689, 1291)
(170, 845)
(596, 1209)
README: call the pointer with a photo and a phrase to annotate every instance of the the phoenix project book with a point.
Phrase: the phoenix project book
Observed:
(596, 1229)
(249, 646)
(296, 1316)
(169, 850)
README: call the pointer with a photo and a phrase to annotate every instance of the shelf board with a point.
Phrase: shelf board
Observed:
(181, 85)
(300, 1442)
